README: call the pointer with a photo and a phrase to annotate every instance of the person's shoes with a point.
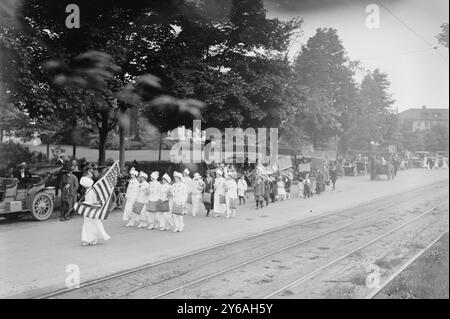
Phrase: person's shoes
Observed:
(62, 219)
(84, 243)
(94, 243)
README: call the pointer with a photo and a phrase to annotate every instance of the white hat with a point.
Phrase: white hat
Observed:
(177, 174)
(134, 172)
(142, 174)
(86, 182)
(219, 172)
(154, 175)
(197, 176)
(167, 178)
(186, 171)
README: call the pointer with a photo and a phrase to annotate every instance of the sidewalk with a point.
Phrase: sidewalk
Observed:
(34, 255)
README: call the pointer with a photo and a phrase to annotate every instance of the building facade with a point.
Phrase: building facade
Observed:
(425, 118)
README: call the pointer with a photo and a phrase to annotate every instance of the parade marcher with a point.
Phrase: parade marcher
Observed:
(152, 206)
(319, 182)
(333, 175)
(273, 189)
(198, 186)
(301, 188)
(287, 186)
(219, 194)
(231, 196)
(307, 186)
(92, 228)
(267, 190)
(130, 197)
(142, 199)
(186, 179)
(242, 188)
(165, 218)
(69, 191)
(208, 195)
(281, 189)
(179, 195)
(259, 192)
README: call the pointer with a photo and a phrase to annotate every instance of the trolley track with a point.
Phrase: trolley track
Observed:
(107, 287)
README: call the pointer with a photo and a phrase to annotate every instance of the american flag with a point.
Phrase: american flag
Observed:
(104, 188)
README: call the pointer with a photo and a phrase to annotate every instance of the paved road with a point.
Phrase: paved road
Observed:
(50, 246)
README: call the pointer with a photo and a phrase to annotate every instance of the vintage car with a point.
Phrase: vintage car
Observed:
(355, 168)
(35, 199)
(36, 196)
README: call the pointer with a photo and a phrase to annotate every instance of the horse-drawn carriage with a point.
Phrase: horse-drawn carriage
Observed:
(378, 167)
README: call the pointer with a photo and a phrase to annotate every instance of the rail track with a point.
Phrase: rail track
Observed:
(352, 217)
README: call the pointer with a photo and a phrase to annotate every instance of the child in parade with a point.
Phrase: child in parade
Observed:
(166, 219)
(92, 228)
(242, 188)
(230, 196)
(179, 196)
(130, 197)
(281, 189)
(259, 192)
(152, 206)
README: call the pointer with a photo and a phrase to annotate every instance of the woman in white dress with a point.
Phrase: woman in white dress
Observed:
(92, 229)
(179, 195)
(186, 179)
(142, 198)
(230, 196)
(130, 197)
(219, 194)
(198, 186)
(166, 218)
(152, 207)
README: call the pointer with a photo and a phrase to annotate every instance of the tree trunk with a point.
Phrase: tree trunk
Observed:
(74, 150)
(160, 145)
(48, 151)
(103, 136)
(121, 147)
(1, 135)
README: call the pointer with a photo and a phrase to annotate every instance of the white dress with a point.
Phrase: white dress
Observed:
(231, 193)
(219, 189)
(242, 187)
(92, 228)
(197, 199)
(130, 196)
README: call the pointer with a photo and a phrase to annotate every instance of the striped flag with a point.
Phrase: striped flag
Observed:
(104, 189)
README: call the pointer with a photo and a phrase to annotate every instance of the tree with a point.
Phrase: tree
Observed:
(443, 36)
(436, 139)
(374, 121)
(325, 72)
(88, 79)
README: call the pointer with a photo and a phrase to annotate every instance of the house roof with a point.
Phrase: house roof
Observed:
(425, 114)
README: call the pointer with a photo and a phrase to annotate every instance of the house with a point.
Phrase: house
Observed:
(425, 118)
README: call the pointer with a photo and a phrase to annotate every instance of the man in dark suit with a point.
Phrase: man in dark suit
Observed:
(68, 187)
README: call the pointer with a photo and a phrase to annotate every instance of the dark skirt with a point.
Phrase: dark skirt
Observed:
(210, 206)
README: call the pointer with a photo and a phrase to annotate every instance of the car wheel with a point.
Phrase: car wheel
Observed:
(42, 206)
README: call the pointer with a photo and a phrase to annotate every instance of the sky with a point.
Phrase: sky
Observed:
(418, 74)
